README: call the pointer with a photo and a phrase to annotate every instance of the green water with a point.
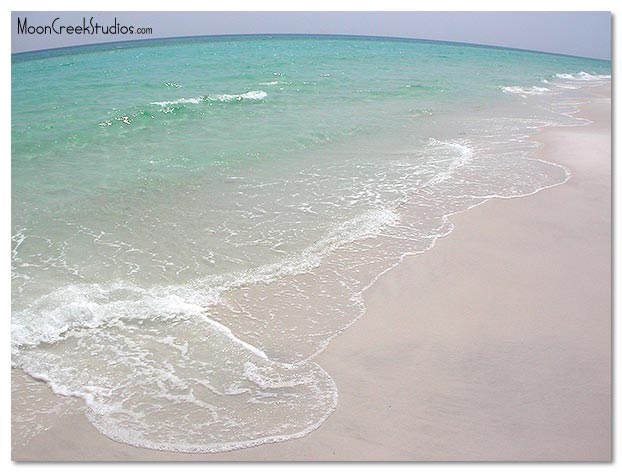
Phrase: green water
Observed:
(201, 216)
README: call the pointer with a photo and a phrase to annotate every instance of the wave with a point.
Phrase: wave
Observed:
(149, 373)
(465, 155)
(579, 80)
(64, 312)
(179, 101)
(525, 91)
(120, 325)
(253, 95)
(569, 81)
(178, 105)
(583, 76)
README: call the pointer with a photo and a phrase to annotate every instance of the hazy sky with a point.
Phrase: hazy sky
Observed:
(585, 34)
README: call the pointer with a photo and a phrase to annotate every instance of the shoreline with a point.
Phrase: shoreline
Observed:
(348, 360)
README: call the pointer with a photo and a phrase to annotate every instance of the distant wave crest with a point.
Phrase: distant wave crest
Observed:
(225, 97)
(570, 81)
(583, 76)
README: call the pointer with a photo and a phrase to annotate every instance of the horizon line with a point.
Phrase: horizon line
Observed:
(320, 35)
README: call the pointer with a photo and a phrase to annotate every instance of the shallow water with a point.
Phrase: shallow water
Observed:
(193, 221)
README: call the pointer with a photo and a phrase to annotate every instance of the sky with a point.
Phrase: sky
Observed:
(586, 34)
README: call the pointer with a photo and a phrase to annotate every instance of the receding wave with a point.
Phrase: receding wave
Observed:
(68, 310)
(126, 407)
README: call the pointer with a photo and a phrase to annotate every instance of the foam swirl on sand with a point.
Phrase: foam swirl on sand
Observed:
(120, 324)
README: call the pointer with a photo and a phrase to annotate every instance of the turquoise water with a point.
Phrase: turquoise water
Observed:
(193, 220)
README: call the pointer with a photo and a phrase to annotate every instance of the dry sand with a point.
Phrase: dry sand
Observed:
(494, 345)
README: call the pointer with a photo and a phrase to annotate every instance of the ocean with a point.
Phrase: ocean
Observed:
(193, 220)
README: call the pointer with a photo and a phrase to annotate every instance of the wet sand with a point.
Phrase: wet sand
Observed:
(494, 345)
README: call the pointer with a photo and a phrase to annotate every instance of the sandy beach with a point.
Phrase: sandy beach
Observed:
(498, 336)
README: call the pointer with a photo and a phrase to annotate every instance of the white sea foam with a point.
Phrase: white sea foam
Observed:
(584, 77)
(70, 309)
(253, 95)
(464, 156)
(179, 101)
(567, 81)
(525, 91)
(227, 332)
(153, 394)
(579, 80)
(66, 311)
